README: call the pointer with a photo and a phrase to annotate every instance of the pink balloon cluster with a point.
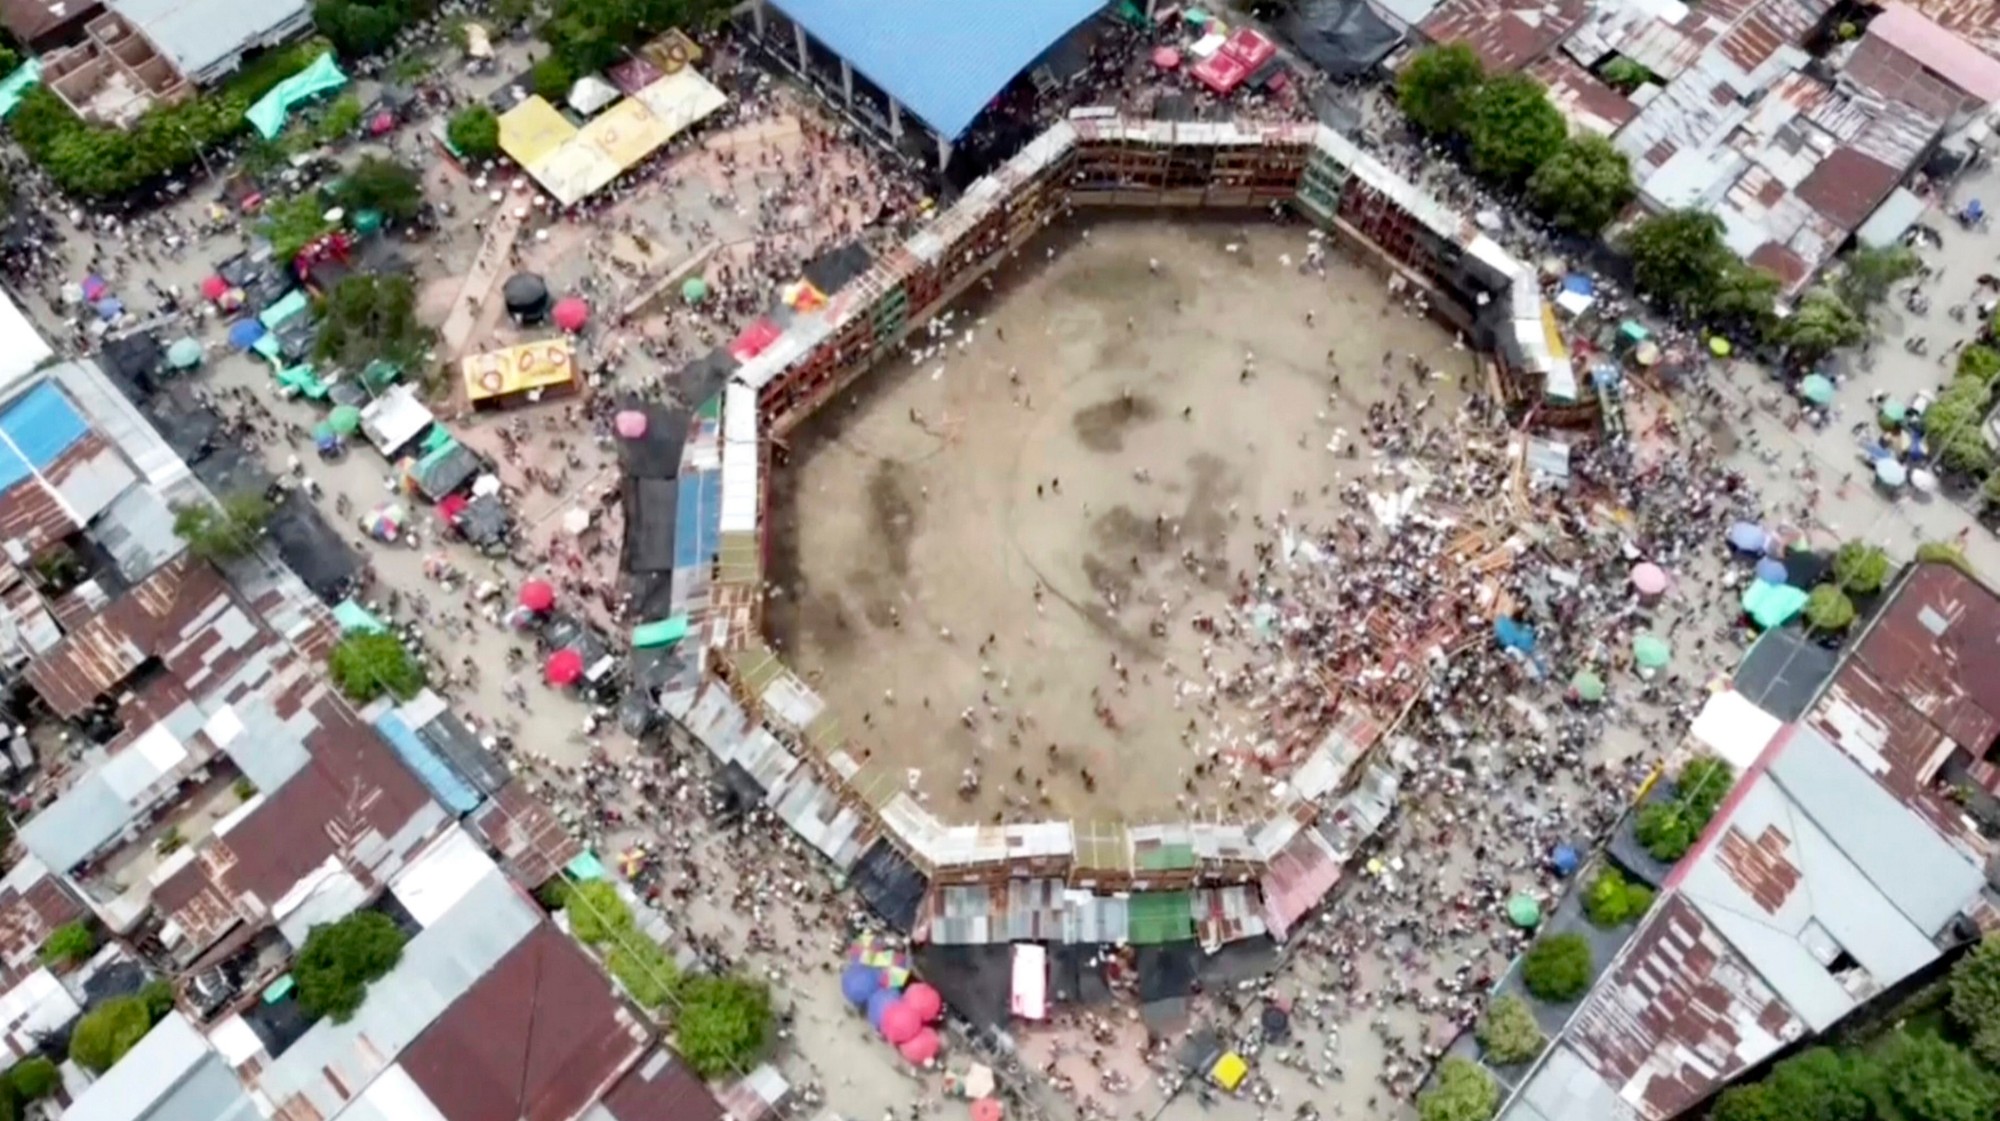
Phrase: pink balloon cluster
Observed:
(905, 1022)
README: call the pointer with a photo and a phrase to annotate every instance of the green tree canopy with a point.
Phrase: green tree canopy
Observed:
(1625, 75)
(1860, 568)
(358, 28)
(722, 1023)
(1436, 86)
(1829, 610)
(1666, 830)
(1975, 999)
(1866, 274)
(1702, 784)
(1678, 256)
(475, 132)
(1584, 185)
(1952, 427)
(1821, 323)
(365, 666)
(222, 531)
(368, 316)
(108, 1031)
(292, 224)
(1979, 362)
(394, 189)
(340, 959)
(1818, 1084)
(340, 120)
(1460, 1091)
(34, 1077)
(1611, 900)
(1931, 1080)
(1512, 128)
(72, 943)
(1557, 967)
(551, 78)
(1743, 296)
(1508, 1031)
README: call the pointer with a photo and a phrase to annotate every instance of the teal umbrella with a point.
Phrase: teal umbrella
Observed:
(1893, 411)
(1817, 388)
(345, 419)
(185, 354)
(1588, 686)
(1524, 911)
(1651, 651)
(694, 289)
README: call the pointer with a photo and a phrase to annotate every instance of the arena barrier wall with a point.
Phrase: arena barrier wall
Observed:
(1061, 881)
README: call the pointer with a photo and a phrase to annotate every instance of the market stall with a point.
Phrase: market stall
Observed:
(527, 372)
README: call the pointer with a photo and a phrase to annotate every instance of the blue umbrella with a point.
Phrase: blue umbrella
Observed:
(1771, 570)
(1514, 635)
(1747, 536)
(244, 333)
(881, 1002)
(1565, 858)
(859, 982)
(109, 308)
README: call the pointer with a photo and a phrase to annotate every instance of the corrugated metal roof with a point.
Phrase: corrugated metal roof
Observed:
(943, 63)
(112, 794)
(33, 904)
(170, 1074)
(198, 36)
(142, 623)
(659, 1088)
(1977, 21)
(1940, 50)
(527, 835)
(138, 531)
(333, 1062)
(1507, 34)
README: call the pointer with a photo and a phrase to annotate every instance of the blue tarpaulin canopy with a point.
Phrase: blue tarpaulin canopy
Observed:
(1514, 635)
(244, 333)
(1580, 284)
(942, 62)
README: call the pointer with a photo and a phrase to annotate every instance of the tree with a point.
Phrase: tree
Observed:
(1611, 900)
(1666, 830)
(108, 1031)
(222, 531)
(1508, 1031)
(1975, 999)
(1703, 783)
(341, 119)
(1930, 1080)
(1829, 610)
(722, 1023)
(358, 28)
(1752, 1101)
(1626, 75)
(1512, 128)
(1436, 85)
(596, 914)
(368, 317)
(1677, 256)
(1818, 1084)
(1822, 323)
(1867, 274)
(551, 78)
(1461, 1090)
(1860, 568)
(1980, 363)
(365, 666)
(340, 959)
(1584, 185)
(475, 132)
(34, 1077)
(1953, 428)
(392, 188)
(1743, 296)
(72, 943)
(1557, 967)
(292, 224)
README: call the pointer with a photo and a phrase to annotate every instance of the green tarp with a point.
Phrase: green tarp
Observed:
(279, 989)
(438, 439)
(281, 313)
(660, 632)
(302, 379)
(269, 347)
(1772, 605)
(355, 619)
(16, 85)
(269, 114)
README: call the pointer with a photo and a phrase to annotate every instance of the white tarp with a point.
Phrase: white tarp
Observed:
(394, 419)
(1733, 729)
(1031, 982)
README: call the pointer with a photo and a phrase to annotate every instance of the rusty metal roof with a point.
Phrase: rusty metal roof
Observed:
(1506, 34)
(1848, 185)
(1976, 21)
(1921, 682)
(538, 1038)
(1587, 102)
(660, 1088)
(157, 613)
(533, 845)
(1878, 66)
(33, 904)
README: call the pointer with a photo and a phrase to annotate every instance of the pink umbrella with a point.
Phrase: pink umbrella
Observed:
(1166, 58)
(565, 668)
(571, 313)
(921, 1047)
(925, 1001)
(631, 424)
(1649, 578)
(213, 287)
(538, 595)
(986, 1109)
(900, 1023)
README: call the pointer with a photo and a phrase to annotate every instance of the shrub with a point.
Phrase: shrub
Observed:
(340, 959)
(1703, 783)
(1460, 1091)
(1929, 1079)
(1666, 830)
(1980, 363)
(1944, 552)
(72, 943)
(596, 913)
(650, 979)
(475, 132)
(1829, 610)
(1508, 1031)
(722, 1023)
(108, 1031)
(1860, 568)
(1612, 900)
(1557, 968)
(244, 789)
(34, 1077)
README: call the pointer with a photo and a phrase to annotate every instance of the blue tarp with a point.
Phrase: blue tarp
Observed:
(698, 519)
(943, 62)
(39, 427)
(444, 783)
(1580, 284)
(1514, 635)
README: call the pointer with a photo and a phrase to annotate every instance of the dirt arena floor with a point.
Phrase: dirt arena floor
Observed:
(1082, 427)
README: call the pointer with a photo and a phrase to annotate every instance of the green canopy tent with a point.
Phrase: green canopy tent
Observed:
(1651, 651)
(355, 619)
(1524, 912)
(1816, 389)
(184, 354)
(1773, 605)
(268, 116)
(302, 380)
(660, 632)
(1893, 411)
(345, 419)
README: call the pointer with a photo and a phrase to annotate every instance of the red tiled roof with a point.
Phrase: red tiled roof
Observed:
(1847, 186)
(662, 1088)
(1921, 682)
(1506, 34)
(538, 1038)
(138, 625)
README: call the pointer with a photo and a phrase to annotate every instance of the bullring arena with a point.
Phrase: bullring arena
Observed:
(964, 540)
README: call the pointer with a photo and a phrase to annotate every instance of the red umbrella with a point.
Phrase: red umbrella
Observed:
(925, 1001)
(213, 287)
(986, 1109)
(900, 1023)
(571, 313)
(537, 595)
(1166, 58)
(565, 667)
(921, 1047)
(451, 507)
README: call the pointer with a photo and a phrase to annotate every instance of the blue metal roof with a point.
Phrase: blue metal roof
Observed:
(40, 425)
(943, 60)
